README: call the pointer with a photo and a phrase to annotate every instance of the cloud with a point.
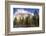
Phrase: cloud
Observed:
(22, 11)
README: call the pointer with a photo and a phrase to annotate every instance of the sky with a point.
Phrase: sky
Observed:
(29, 10)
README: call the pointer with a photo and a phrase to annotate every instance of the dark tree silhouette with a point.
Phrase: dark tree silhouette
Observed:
(36, 18)
(14, 22)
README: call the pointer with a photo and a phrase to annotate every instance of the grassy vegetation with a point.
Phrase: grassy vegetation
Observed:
(27, 22)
